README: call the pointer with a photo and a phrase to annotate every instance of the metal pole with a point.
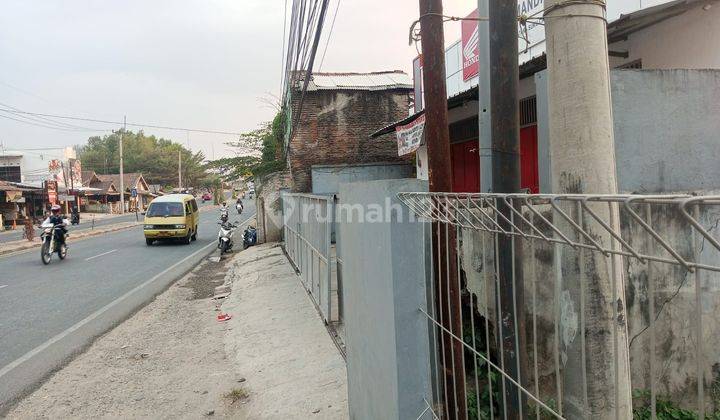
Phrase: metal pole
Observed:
(437, 137)
(179, 169)
(484, 116)
(122, 169)
(505, 160)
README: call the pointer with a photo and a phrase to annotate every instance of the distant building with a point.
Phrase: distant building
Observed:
(11, 166)
(131, 181)
(33, 166)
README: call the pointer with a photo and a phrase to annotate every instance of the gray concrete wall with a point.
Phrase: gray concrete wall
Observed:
(269, 219)
(326, 179)
(384, 277)
(666, 126)
(667, 129)
(552, 271)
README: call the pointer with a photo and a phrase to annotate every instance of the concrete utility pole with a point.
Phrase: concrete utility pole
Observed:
(179, 169)
(583, 161)
(122, 169)
(505, 144)
(437, 137)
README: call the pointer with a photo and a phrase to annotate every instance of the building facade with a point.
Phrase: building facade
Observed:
(663, 37)
(339, 112)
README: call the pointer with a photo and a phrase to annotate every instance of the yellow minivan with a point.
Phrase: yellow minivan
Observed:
(173, 216)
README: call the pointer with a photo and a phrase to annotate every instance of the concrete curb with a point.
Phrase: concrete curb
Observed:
(17, 246)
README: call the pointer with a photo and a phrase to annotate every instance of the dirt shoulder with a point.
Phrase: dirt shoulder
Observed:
(167, 361)
(173, 359)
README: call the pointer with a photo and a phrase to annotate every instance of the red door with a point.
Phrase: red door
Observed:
(529, 177)
(466, 166)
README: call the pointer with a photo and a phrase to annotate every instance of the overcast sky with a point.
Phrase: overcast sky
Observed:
(186, 63)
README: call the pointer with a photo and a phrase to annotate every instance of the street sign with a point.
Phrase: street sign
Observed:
(133, 192)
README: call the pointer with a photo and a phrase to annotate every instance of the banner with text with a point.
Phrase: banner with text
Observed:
(470, 46)
(410, 136)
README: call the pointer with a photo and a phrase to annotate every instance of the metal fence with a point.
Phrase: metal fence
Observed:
(612, 312)
(307, 229)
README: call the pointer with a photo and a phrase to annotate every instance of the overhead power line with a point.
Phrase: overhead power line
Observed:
(43, 120)
(327, 42)
(162, 127)
(36, 124)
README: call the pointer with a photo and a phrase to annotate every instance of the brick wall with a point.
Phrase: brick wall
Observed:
(335, 128)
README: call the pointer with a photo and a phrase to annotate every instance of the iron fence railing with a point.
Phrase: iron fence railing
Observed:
(307, 229)
(661, 256)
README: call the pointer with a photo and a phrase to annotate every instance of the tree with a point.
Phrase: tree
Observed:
(258, 152)
(156, 158)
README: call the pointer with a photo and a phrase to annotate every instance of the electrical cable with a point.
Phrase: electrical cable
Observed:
(49, 121)
(162, 127)
(332, 26)
(35, 124)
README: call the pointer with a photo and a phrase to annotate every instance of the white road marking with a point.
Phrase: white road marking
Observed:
(100, 255)
(4, 285)
(37, 350)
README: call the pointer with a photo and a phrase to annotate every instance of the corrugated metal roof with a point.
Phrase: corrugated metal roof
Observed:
(360, 81)
(625, 25)
(10, 153)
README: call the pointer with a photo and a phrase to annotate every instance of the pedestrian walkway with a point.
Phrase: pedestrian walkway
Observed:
(279, 343)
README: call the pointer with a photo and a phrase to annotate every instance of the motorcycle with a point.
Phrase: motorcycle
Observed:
(75, 218)
(51, 242)
(225, 242)
(249, 237)
(224, 214)
(239, 208)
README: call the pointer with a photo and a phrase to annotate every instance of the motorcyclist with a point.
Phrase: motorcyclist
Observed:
(75, 214)
(239, 205)
(224, 212)
(56, 219)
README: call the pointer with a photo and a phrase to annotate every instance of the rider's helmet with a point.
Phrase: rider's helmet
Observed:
(55, 209)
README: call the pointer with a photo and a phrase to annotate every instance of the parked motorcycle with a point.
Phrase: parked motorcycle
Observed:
(249, 237)
(225, 241)
(53, 240)
(75, 218)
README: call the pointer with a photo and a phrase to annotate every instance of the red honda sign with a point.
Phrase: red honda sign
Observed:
(470, 46)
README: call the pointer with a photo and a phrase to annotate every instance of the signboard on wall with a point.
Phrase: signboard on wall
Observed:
(470, 46)
(532, 35)
(76, 174)
(51, 187)
(409, 136)
(55, 168)
(13, 196)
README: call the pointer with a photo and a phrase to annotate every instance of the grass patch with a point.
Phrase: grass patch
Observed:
(237, 394)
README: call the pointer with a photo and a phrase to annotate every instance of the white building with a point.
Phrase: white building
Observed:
(31, 166)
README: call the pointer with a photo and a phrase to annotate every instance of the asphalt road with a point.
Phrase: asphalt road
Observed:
(86, 223)
(40, 303)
